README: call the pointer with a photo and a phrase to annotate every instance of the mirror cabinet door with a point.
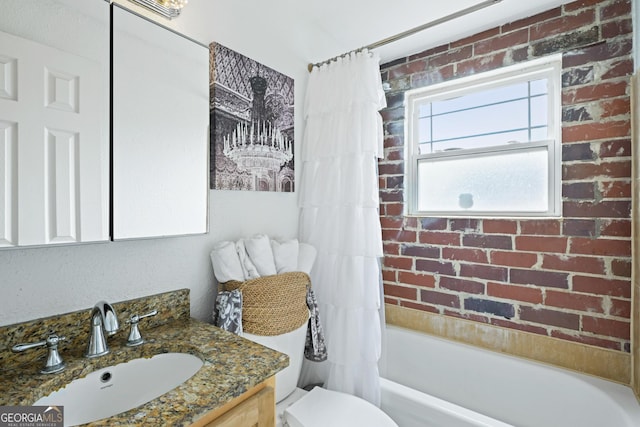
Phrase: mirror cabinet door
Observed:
(54, 122)
(160, 130)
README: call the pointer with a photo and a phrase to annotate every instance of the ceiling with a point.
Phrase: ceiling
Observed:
(318, 30)
(361, 22)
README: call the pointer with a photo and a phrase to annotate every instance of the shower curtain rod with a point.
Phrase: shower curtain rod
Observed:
(396, 37)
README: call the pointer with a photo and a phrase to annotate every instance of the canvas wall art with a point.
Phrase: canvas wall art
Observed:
(252, 124)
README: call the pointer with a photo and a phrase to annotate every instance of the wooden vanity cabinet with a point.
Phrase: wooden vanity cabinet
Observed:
(255, 407)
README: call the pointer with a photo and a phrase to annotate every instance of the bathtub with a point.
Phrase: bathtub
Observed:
(427, 381)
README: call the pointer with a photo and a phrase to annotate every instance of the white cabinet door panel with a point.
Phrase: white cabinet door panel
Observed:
(8, 183)
(53, 101)
(63, 186)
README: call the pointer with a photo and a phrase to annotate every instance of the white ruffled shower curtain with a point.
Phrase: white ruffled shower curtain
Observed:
(339, 216)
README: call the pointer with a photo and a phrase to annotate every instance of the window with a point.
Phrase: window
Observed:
(487, 145)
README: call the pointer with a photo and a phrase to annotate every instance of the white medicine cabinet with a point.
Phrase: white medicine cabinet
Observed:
(70, 173)
(54, 122)
(160, 130)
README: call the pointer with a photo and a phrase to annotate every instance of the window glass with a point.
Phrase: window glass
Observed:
(539, 87)
(483, 120)
(487, 144)
(539, 110)
(484, 97)
(512, 181)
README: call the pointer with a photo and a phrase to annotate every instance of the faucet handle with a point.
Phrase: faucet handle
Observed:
(54, 361)
(134, 335)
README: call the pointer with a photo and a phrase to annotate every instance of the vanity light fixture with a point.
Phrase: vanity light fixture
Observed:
(168, 8)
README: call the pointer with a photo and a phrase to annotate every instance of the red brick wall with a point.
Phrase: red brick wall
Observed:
(567, 278)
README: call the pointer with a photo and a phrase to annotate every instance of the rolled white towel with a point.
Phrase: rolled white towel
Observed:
(259, 251)
(306, 257)
(226, 263)
(285, 255)
(249, 270)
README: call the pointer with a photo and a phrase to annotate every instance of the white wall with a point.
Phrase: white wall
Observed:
(39, 282)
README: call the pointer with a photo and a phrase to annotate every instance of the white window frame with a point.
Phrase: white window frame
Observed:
(549, 67)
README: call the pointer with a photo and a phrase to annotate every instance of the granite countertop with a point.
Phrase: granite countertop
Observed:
(232, 365)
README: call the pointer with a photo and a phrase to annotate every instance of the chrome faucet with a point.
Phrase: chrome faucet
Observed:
(103, 319)
(135, 338)
(54, 362)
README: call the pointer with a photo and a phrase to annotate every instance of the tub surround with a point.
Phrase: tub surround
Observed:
(607, 364)
(232, 365)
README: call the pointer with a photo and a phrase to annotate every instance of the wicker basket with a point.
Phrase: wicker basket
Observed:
(273, 305)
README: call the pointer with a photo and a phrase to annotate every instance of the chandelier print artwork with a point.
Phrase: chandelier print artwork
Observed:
(252, 118)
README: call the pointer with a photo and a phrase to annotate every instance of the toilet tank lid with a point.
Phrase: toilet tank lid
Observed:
(322, 408)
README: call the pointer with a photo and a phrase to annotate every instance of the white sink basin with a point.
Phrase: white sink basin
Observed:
(119, 388)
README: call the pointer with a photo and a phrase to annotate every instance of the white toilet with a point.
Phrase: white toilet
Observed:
(319, 407)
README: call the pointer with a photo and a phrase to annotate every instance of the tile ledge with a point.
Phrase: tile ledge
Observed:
(600, 362)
